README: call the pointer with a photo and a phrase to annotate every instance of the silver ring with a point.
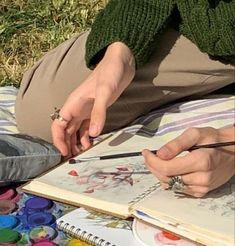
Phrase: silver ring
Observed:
(56, 116)
(176, 184)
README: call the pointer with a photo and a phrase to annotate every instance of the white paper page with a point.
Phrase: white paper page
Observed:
(108, 185)
(115, 231)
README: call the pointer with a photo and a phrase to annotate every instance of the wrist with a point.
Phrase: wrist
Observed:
(122, 52)
(227, 134)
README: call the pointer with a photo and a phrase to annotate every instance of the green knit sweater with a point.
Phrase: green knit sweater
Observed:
(210, 24)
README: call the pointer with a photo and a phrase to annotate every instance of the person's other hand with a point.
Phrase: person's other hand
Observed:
(85, 108)
(202, 170)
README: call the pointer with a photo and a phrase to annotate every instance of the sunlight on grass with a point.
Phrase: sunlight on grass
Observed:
(29, 28)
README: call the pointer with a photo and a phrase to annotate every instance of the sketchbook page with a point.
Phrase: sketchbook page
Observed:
(123, 142)
(97, 229)
(107, 185)
(149, 235)
(210, 218)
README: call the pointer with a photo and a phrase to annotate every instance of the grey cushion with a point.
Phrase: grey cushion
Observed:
(24, 157)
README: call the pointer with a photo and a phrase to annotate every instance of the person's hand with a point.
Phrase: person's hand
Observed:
(85, 108)
(201, 170)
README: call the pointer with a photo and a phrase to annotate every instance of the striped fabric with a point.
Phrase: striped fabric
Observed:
(7, 107)
(215, 111)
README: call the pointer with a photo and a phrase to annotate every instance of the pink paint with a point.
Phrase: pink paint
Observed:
(6, 194)
(170, 236)
(44, 244)
(73, 173)
(167, 238)
(16, 198)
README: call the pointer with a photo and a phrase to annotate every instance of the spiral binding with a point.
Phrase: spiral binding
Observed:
(145, 194)
(82, 235)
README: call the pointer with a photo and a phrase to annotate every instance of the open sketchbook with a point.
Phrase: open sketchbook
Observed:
(122, 187)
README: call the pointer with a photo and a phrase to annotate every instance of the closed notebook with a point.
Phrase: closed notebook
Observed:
(97, 229)
(123, 187)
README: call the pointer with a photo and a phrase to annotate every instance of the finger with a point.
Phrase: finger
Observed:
(98, 114)
(69, 144)
(84, 134)
(165, 185)
(74, 145)
(73, 126)
(177, 166)
(198, 179)
(192, 190)
(193, 179)
(183, 142)
(196, 191)
(58, 136)
(159, 176)
(71, 133)
(58, 132)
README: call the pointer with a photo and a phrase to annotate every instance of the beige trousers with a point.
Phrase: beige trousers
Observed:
(177, 69)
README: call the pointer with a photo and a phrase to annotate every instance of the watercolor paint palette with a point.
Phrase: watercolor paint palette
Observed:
(27, 220)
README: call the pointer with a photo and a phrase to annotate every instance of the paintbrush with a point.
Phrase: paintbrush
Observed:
(132, 154)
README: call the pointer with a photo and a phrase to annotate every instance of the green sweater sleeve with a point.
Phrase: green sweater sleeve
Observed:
(210, 25)
(134, 22)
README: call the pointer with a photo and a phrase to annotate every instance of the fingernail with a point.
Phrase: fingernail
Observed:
(93, 131)
(164, 152)
(144, 153)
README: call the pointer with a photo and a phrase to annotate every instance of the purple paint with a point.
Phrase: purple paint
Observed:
(38, 204)
(40, 218)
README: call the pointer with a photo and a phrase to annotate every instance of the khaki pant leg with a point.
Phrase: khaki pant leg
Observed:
(47, 85)
(177, 69)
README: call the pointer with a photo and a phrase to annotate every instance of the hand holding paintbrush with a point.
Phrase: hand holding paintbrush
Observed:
(204, 168)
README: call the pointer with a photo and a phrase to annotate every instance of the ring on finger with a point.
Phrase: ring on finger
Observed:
(176, 184)
(56, 116)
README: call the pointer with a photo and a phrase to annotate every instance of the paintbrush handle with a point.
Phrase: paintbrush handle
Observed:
(213, 145)
(132, 154)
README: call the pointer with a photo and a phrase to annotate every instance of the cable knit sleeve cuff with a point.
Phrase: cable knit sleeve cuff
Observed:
(134, 22)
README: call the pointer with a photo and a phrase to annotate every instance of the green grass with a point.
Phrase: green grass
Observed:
(29, 28)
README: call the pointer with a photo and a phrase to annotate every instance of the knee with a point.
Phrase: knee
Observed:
(33, 120)
(32, 111)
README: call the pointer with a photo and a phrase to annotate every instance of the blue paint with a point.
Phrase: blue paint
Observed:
(8, 221)
(141, 213)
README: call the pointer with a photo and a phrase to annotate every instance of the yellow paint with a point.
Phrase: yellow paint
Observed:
(76, 242)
